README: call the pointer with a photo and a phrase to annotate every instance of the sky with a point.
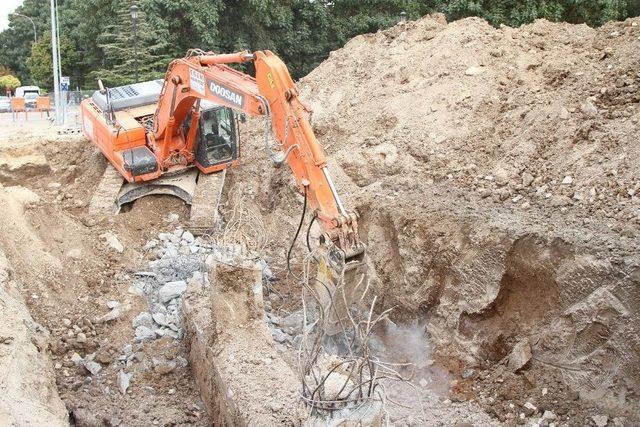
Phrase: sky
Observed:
(8, 6)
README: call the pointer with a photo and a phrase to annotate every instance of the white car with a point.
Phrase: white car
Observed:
(30, 100)
(5, 104)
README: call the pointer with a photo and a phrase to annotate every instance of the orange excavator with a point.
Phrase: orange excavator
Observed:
(156, 133)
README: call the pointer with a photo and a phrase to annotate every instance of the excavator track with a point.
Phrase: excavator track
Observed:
(103, 201)
(204, 208)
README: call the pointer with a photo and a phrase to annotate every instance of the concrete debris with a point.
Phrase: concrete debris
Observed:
(123, 380)
(600, 420)
(527, 179)
(279, 336)
(162, 366)
(292, 324)
(530, 408)
(144, 333)
(520, 356)
(75, 253)
(474, 71)
(589, 109)
(567, 180)
(114, 314)
(93, 367)
(112, 241)
(188, 237)
(172, 290)
(172, 218)
(77, 359)
(143, 319)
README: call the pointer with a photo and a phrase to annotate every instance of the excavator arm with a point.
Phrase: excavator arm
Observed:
(271, 93)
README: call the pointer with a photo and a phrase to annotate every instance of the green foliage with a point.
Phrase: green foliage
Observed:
(127, 53)
(515, 13)
(9, 82)
(40, 63)
(5, 71)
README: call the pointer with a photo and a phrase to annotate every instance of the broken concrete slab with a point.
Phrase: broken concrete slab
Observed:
(240, 373)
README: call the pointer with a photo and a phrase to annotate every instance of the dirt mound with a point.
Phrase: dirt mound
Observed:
(496, 174)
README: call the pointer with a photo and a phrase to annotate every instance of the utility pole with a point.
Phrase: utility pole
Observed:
(134, 21)
(35, 35)
(63, 94)
(54, 55)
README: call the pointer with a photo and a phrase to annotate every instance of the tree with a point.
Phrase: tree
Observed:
(124, 53)
(40, 63)
(5, 71)
(16, 40)
(9, 82)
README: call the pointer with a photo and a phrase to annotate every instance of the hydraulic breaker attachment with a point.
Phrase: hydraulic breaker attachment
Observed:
(341, 282)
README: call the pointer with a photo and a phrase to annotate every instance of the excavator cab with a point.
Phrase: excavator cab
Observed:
(218, 137)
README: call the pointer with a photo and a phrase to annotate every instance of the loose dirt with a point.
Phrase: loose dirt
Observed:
(69, 276)
(496, 175)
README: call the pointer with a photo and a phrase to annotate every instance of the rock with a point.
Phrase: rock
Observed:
(93, 367)
(160, 319)
(527, 179)
(178, 232)
(112, 241)
(530, 408)
(123, 381)
(172, 290)
(143, 319)
(544, 391)
(165, 237)
(589, 109)
(564, 114)
(188, 237)
(559, 201)
(66, 322)
(54, 185)
(114, 314)
(75, 253)
(292, 324)
(150, 245)
(112, 304)
(474, 71)
(567, 180)
(81, 338)
(600, 420)
(519, 356)
(172, 217)
(137, 289)
(468, 373)
(144, 333)
(77, 359)
(163, 367)
(279, 336)
(548, 415)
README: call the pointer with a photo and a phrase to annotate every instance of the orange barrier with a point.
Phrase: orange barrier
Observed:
(43, 103)
(17, 106)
